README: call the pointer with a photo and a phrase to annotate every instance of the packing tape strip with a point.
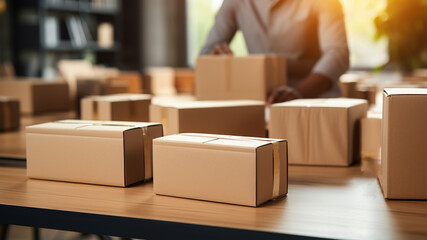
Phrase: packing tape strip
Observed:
(147, 155)
(276, 170)
(164, 119)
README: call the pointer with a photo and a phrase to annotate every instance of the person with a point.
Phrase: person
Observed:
(310, 34)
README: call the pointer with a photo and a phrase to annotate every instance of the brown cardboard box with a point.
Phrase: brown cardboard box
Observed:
(116, 88)
(37, 96)
(320, 131)
(96, 152)
(371, 135)
(367, 91)
(227, 77)
(234, 117)
(184, 80)
(404, 150)
(160, 81)
(236, 170)
(9, 113)
(118, 107)
(418, 75)
(132, 80)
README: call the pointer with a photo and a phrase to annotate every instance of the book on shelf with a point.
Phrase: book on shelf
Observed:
(51, 25)
(80, 34)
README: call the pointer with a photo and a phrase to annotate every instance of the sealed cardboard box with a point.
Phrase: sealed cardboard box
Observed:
(95, 152)
(36, 96)
(404, 150)
(9, 113)
(320, 131)
(371, 135)
(227, 77)
(228, 169)
(118, 107)
(234, 117)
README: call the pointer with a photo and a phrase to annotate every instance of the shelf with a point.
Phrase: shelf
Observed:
(81, 8)
(68, 47)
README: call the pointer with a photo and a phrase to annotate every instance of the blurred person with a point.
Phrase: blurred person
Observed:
(310, 34)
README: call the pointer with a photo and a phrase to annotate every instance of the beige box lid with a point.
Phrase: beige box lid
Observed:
(119, 97)
(106, 129)
(405, 91)
(211, 104)
(210, 141)
(322, 102)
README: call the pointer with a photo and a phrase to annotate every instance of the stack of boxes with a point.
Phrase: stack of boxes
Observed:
(214, 149)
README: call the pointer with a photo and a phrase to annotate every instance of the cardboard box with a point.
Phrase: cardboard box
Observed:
(9, 113)
(320, 131)
(367, 91)
(119, 107)
(132, 80)
(184, 80)
(160, 81)
(371, 135)
(116, 88)
(37, 96)
(234, 117)
(404, 150)
(228, 77)
(95, 152)
(236, 170)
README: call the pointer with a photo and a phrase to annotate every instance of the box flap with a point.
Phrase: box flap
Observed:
(121, 123)
(83, 128)
(213, 140)
(272, 140)
(405, 91)
(322, 102)
(119, 97)
(189, 139)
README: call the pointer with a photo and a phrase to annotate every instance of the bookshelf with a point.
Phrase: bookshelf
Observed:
(46, 31)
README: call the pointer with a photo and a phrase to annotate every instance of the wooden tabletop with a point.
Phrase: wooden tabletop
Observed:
(324, 202)
(12, 143)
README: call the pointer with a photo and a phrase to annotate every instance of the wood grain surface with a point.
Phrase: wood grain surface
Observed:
(12, 143)
(322, 202)
(331, 202)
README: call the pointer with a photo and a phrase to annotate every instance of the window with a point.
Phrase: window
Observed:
(200, 19)
(359, 17)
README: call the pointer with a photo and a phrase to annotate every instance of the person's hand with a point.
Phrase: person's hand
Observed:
(283, 94)
(221, 49)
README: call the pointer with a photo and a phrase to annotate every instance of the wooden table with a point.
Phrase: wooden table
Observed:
(12, 143)
(323, 202)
